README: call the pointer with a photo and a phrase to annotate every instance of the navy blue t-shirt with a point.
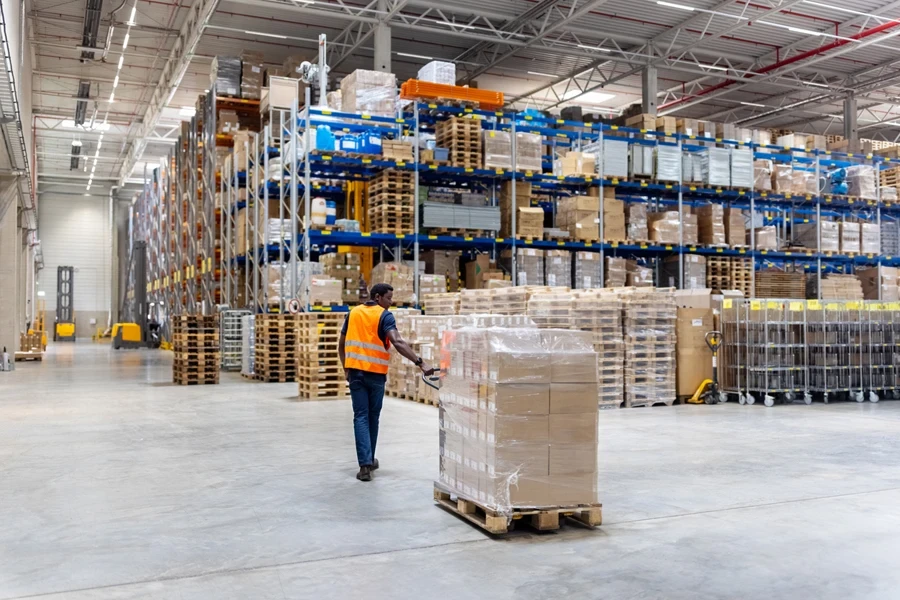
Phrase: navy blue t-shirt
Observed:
(385, 323)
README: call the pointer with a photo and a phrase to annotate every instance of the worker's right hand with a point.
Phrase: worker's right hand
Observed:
(426, 370)
(347, 375)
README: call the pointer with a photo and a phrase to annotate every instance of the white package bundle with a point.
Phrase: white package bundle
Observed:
(615, 158)
(861, 181)
(668, 163)
(692, 166)
(642, 160)
(248, 339)
(719, 167)
(371, 92)
(742, 167)
(529, 152)
(497, 150)
(438, 72)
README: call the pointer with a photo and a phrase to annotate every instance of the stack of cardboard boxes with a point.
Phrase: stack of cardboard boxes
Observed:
(693, 357)
(481, 270)
(343, 266)
(529, 220)
(850, 234)
(399, 276)
(509, 301)
(586, 272)
(879, 285)
(443, 262)
(580, 216)
(616, 272)
(558, 268)
(518, 418)
(735, 230)
(372, 92)
(613, 217)
(441, 304)
(577, 164)
(432, 284)
(636, 227)
(251, 74)
(529, 265)
(711, 225)
(475, 302)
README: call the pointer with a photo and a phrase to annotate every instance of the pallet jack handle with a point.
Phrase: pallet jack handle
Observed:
(433, 379)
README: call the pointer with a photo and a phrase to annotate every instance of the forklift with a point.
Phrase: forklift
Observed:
(143, 330)
(64, 325)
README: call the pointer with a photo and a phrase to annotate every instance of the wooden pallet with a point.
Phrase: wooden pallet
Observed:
(323, 389)
(542, 519)
(38, 356)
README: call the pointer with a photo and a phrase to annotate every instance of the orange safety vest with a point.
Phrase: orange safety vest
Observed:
(362, 346)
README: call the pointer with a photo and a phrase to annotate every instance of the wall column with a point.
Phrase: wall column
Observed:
(851, 128)
(10, 243)
(382, 40)
(649, 90)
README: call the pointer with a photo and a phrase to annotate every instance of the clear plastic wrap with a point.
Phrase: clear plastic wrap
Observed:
(718, 171)
(551, 309)
(518, 417)
(803, 181)
(529, 152)
(438, 72)
(558, 268)
(742, 168)
(577, 164)
(711, 225)
(251, 74)
(889, 194)
(529, 265)
(664, 227)
(692, 164)
(861, 181)
(641, 160)
(850, 238)
(371, 92)
(783, 178)
(334, 100)
(762, 175)
(324, 290)
(766, 238)
(616, 272)
(870, 238)
(636, 223)
(690, 230)
(735, 227)
(807, 235)
(614, 162)
(668, 163)
(497, 150)
(587, 270)
(638, 275)
(225, 76)
(398, 276)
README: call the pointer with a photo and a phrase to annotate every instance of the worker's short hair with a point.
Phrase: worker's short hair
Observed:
(379, 289)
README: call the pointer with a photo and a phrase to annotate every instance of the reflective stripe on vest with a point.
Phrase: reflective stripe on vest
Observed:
(363, 348)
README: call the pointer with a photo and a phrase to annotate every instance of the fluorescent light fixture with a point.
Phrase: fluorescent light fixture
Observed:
(461, 25)
(713, 67)
(205, 91)
(41, 294)
(892, 123)
(187, 111)
(595, 98)
(125, 41)
(813, 83)
(594, 48)
(133, 13)
(70, 124)
(753, 104)
(88, 188)
(121, 60)
(263, 34)
(99, 143)
(112, 97)
(539, 74)
(76, 143)
(806, 31)
(673, 5)
(415, 56)
(94, 168)
(116, 82)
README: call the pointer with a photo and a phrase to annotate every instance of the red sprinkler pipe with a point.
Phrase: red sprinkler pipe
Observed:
(787, 61)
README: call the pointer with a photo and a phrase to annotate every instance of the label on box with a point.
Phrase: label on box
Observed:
(551, 279)
(697, 322)
(586, 282)
(255, 69)
(522, 278)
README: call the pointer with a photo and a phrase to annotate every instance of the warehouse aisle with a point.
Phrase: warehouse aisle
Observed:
(117, 484)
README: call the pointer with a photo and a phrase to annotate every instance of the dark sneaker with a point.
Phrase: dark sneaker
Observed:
(365, 474)
(374, 466)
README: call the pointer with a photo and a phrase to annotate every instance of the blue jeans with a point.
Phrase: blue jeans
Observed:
(367, 394)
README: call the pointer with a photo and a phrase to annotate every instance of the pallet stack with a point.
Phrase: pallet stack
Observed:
(835, 287)
(441, 304)
(320, 374)
(551, 310)
(649, 328)
(779, 284)
(403, 376)
(718, 273)
(462, 138)
(195, 341)
(275, 347)
(601, 314)
(391, 202)
(740, 275)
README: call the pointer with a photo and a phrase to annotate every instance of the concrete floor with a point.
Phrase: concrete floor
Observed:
(115, 484)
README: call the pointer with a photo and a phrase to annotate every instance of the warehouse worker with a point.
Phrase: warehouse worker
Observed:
(366, 338)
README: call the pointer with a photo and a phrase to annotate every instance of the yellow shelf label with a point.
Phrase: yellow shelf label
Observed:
(432, 237)
(727, 303)
(498, 240)
(787, 254)
(468, 239)
(560, 243)
(614, 244)
(366, 161)
(400, 236)
(764, 252)
(773, 305)
(853, 305)
(400, 163)
(366, 234)
(668, 187)
(365, 116)
(614, 127)
(430, 166)
(528, 241)
(588, 245)
(326, 112)
(814, 305)
(796, 307)
(326, 157)
(764, 195)
(644, 184)
(693, 188)
(719, 250)
(755, 305)
(615, 181)
(668, 247)
(643, 246)
(528, 174)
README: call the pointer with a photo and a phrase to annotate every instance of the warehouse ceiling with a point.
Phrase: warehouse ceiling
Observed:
(786, 64)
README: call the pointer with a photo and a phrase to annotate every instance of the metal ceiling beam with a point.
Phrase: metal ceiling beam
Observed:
(60, 18)
(347, 42)
(176, 66)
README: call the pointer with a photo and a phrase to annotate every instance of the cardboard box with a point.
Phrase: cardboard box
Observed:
(504, 429)
(694, 359)
(510, 456)
(530, 222)
(573, 367)
(573, 459)
(519, 367)
(573, 398)
(518, 398)
(573, 489)
(642, 121)
(573, 428)
(474, 270)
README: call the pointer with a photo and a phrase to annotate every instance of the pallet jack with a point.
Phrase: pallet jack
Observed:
(142, 331)
(708, 391)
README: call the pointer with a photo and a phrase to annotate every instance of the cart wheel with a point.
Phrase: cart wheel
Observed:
(723, 397)
(769, 401)
(807, 399)
(741, 400)
(858, 396)
(789, 398)
(873, 397)
(751, 400)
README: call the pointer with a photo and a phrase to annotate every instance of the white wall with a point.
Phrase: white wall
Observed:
(75, 231)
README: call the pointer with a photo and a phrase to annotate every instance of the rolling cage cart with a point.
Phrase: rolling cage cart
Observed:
(764, 351)
(787, 350)
(231, 338)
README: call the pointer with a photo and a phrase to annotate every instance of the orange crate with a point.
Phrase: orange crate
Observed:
(415, 89)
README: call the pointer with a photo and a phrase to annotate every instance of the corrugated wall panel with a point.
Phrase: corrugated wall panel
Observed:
(75, 231)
